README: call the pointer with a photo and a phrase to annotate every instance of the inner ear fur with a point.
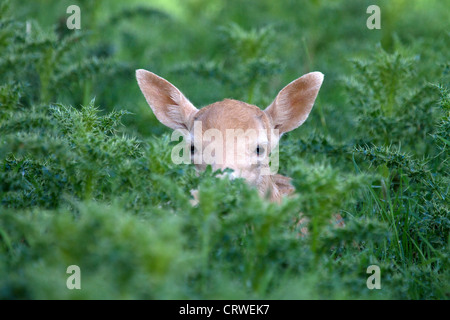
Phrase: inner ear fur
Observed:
(293, 104)
(169, 105)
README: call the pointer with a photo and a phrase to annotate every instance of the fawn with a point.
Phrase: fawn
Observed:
(249, 159)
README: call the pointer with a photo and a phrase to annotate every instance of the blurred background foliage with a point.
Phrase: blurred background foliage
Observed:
(86, 176)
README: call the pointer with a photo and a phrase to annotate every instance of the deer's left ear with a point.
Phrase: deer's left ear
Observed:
(294, 102)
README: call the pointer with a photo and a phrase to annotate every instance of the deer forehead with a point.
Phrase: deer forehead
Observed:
(232, 114)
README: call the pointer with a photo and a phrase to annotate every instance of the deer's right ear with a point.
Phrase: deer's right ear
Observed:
(169, 105)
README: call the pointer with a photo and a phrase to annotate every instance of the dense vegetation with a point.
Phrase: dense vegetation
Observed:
(84, 182)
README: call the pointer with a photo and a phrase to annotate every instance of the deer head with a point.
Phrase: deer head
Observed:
(234, 134)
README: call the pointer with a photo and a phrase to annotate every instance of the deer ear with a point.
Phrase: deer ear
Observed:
(294, 102)
(169, 105)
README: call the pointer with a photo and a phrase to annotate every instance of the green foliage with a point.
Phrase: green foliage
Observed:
(442, 132)
(83, 182)
(50, 66)
(392, 103)
(247, 66)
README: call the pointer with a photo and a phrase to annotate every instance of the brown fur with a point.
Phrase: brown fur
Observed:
(289, 110)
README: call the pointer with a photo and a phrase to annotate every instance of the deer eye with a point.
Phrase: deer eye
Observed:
(260, 150)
